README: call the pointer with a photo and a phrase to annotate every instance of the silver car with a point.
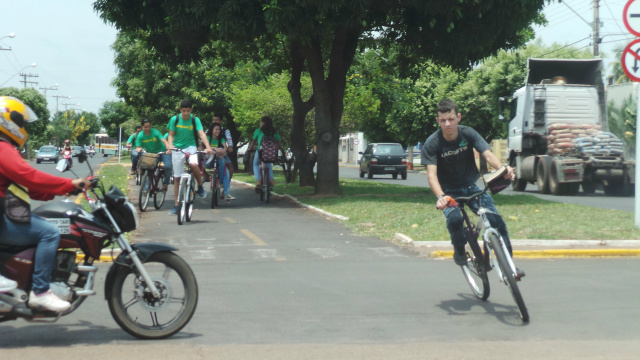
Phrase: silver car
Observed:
(47, 153)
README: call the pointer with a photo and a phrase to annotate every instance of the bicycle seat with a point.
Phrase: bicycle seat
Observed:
(496, 181)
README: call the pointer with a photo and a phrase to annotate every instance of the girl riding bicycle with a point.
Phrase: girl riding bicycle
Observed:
(266, 128)
(152, 141)
(219, 144)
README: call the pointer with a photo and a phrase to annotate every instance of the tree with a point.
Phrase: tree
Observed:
(322, 36)
(38, 132)
(113, 115)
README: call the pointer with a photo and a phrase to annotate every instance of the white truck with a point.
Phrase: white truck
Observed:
(558, 135)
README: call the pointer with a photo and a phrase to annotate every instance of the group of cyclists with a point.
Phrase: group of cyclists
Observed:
(187, 134)
(447, 154)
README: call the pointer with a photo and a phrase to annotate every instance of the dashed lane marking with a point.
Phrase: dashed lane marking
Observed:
(256, 240)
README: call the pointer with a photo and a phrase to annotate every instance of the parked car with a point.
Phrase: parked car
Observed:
(76, 150)
(383, 158)
(47, 153)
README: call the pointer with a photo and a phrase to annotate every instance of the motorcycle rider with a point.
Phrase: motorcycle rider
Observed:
(33, 230)
(67, 147)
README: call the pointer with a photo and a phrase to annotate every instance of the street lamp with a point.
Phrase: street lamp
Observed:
(11, 35)
(68, 104)
(58, 98)
(32, 65)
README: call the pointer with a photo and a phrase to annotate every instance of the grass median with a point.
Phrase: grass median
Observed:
(383, 210)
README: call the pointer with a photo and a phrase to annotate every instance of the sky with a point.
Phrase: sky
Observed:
(71, 45)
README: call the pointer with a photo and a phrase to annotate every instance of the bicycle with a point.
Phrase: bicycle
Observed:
(137, 171)
(153, 174)
(265, 180)
(494, 252)
(186, 191)
(214, 180)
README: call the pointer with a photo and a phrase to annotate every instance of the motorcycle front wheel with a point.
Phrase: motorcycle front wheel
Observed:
(142, 315)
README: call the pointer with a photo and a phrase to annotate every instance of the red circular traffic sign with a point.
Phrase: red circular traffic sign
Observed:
(356, 141)
(631, 17)
(631, 60)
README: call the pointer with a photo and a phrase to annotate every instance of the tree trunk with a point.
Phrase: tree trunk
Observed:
(300, 110)
(329, 102)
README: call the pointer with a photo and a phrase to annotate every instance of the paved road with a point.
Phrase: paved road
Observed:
(598, 200)
(279, 282)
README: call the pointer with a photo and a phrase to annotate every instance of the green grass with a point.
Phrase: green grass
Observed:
(383, 210)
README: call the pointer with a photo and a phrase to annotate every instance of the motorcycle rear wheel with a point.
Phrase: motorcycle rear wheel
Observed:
(135, 309)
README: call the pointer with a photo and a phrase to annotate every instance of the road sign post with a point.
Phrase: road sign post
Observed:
(631, 65)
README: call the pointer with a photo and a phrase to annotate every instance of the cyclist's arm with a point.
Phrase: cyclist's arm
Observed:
(205, 141)
(166, 145)
(493, 160)
(434, 184)
(227, 135)
(170, 139)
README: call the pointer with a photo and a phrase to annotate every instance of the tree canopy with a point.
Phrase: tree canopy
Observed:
(322, 36)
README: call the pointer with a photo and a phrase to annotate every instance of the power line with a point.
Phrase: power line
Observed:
(566, 46)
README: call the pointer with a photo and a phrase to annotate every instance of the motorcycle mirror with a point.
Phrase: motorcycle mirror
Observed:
(82, 157)
(63, 165)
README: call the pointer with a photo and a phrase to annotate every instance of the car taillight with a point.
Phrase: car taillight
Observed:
(404, 161)
(374, 160)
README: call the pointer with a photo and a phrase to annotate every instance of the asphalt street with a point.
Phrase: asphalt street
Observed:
(277, 281)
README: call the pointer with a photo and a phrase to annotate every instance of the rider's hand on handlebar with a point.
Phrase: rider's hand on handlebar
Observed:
(445, 202)
(81, 184)
(510, 174)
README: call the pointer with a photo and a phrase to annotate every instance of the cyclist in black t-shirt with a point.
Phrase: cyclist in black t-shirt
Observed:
(452, 171)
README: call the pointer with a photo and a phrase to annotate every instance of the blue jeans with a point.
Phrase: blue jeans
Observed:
(168, 167)
(256, 167)
(41, 233)
(455, 222)
(134, 158)
(223, 174)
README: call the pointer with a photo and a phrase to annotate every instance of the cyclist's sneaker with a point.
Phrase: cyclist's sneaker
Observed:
(229, 197)
(459, 255)
(520, 274)
(201, 192)
(173, 211)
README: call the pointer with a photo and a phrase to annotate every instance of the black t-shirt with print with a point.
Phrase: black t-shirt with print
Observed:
(455, 160)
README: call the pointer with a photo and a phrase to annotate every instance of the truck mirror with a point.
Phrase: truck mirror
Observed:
(501, 101)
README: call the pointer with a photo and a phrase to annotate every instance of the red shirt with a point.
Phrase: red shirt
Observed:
(14, 169)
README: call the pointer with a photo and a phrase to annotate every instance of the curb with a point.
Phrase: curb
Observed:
(560, 248)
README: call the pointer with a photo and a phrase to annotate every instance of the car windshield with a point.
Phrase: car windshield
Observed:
(47, 149)
(390, 149)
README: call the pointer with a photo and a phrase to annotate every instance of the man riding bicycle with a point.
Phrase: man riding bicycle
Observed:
(452, 171)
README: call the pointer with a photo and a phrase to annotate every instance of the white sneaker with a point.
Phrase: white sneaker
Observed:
(47, 301)
(7, 284)
(228, 197)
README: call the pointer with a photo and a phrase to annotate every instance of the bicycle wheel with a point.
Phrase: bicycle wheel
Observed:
(508, 276)
(475, 271)
(145, 192)
(190, 199)
(182, 206)
(268, 192)
(160, 194)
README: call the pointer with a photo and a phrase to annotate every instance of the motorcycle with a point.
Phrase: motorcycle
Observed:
(151, 292)
(67, 156)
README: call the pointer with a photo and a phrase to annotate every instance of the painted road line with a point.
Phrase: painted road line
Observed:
(256, 240)
(556, 253)
(229, 220)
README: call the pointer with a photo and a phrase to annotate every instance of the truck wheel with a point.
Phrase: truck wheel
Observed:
(542, 175)
(555, 187)
(519, 185)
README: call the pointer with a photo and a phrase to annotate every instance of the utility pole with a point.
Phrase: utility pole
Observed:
(25, 76)
(596, 28)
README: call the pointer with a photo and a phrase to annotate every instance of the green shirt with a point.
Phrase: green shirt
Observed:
(152, 143)
(258, 134)
(217, 143)
(131, 139)
(183, 136)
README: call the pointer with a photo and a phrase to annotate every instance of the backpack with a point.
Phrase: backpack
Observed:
(193, 122)
(268, 149)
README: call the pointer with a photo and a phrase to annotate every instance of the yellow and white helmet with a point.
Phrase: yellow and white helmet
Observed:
(14, 114)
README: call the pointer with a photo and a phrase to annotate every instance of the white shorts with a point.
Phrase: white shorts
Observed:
(177, 159)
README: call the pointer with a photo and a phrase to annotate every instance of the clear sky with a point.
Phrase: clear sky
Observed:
(71, 45)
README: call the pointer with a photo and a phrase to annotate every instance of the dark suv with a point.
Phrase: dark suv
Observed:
(384, 158)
